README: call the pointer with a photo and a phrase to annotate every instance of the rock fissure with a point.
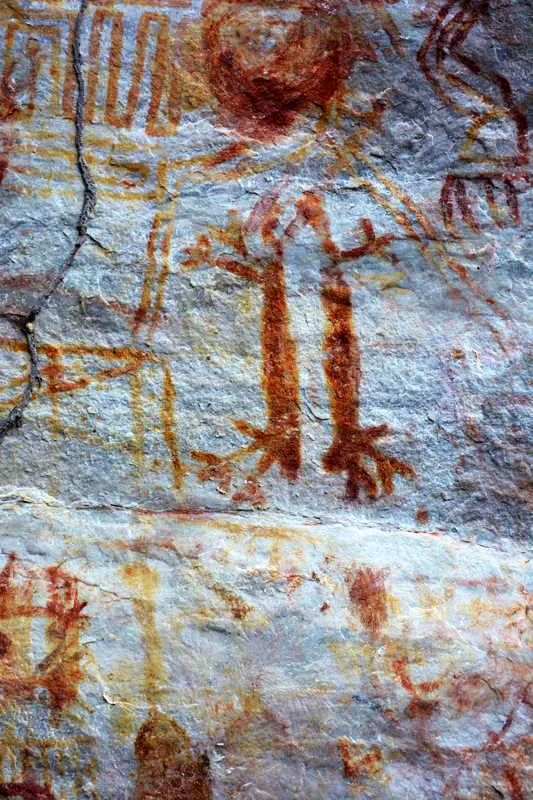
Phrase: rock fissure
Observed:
(26, 323)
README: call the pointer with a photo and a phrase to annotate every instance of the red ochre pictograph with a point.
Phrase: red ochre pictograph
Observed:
(43, 662)
(263, 71)
(487, 99)
(280, 442)
(59, 671)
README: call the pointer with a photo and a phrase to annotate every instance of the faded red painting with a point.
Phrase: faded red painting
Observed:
(270, 62)
(59, 670)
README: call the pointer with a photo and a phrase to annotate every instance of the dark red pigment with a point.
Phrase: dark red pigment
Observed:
(28, 790)
(269, 61)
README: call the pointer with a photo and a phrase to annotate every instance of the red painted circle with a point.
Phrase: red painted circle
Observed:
(269, 61)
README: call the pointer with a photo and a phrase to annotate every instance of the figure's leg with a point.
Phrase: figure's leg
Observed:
(279, 441)
(280, 377)
(352, 446)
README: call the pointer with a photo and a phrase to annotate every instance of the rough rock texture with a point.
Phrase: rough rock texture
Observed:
(263, 399)
(304, 660)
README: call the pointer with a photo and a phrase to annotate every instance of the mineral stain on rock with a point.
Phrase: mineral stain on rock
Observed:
(367, 593)
(167, 766)
(422, 516)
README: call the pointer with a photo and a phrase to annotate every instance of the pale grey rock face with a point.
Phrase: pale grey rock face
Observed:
(307, 660)
(264, 526)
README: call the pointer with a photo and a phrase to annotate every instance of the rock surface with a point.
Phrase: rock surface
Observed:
(259, 658)
(264, 527)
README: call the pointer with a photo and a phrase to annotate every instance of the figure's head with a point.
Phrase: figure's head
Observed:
(270, 60)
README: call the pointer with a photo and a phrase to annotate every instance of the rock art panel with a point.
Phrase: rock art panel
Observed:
(245, 210)
(264, 480)
(213, 656)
